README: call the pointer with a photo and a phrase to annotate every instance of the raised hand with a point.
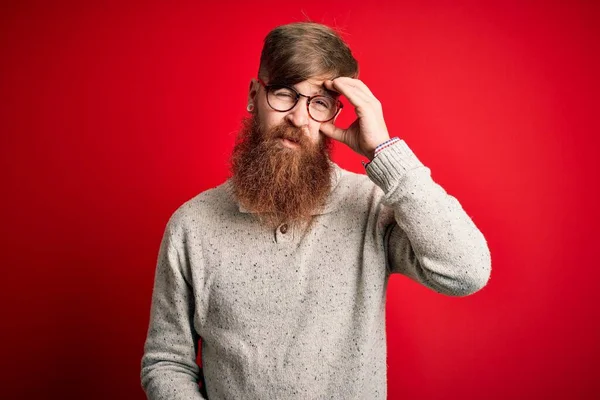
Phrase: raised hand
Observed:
(369, 129)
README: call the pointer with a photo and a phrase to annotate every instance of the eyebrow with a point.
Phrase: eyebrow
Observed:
(324, 91)
(332, 93)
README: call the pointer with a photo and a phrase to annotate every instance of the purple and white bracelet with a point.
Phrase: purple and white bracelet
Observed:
(382, 146)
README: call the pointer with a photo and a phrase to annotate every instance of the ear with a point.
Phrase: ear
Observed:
(252, 91)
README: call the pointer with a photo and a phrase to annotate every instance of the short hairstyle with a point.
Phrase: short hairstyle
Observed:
(295, 52)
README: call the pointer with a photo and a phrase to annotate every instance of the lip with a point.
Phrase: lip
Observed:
(289, 143)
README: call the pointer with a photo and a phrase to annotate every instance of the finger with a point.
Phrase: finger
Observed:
(357, 83)
(363, 86)
(354, 94)
(332, 131)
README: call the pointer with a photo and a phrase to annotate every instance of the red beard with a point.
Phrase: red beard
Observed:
(279, 183)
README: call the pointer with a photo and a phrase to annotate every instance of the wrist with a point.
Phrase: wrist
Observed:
(371, 153)
(384, 145)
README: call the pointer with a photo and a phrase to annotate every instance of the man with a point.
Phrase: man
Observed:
(282, 270)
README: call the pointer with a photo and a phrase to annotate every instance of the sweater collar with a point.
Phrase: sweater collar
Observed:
(329, 206)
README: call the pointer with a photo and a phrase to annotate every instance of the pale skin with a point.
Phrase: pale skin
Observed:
(362, 136)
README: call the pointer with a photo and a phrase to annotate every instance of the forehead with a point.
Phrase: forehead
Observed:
(314, 86)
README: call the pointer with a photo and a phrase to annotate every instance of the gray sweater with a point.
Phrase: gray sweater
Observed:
(291, 314)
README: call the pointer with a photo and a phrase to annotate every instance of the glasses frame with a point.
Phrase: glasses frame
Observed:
(338, 103)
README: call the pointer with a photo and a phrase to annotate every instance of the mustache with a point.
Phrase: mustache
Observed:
(291, 133)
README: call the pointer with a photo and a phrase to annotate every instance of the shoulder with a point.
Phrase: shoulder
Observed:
(355, 189)
(354, 183)
(203, 210)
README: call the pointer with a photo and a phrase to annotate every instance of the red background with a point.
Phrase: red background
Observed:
(113, 115)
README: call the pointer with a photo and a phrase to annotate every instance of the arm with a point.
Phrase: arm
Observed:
(432, 240)
(169, 369)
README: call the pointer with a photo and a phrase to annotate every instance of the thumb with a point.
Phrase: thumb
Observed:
(332, 131)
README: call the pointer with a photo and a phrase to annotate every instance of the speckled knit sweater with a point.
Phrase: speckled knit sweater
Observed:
(292, 314)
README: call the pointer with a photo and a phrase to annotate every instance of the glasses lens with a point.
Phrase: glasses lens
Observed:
(281, 98)
(322, 108)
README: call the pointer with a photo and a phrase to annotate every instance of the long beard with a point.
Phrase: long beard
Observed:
(278, 183)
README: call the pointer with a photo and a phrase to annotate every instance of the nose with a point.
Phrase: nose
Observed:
(298, 115)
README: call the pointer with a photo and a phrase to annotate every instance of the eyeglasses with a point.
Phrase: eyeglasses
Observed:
(283, 98)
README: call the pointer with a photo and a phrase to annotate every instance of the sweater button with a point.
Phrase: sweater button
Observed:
(283, 228)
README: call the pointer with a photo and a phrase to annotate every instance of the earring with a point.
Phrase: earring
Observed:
(250, 107)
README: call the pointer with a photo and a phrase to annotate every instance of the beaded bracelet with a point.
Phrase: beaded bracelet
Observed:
(382, 146)
(386, 144)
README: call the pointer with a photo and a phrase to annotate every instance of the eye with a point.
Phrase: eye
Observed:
(284, 93)
(323, 103)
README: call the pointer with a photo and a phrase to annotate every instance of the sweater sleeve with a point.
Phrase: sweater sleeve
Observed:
(432, 240)
(168, 367)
